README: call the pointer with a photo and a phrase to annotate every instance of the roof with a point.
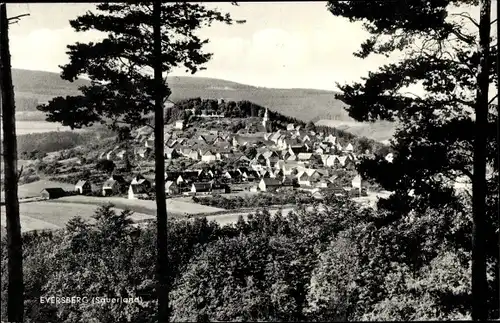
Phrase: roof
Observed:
(168, 184)
(81, 182)
(137, 189)
(54, 191)
(201, 186)
(271, 182)
(109, 183)
(118, 178)
(304, 156)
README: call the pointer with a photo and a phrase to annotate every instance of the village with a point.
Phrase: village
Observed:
(212, 161)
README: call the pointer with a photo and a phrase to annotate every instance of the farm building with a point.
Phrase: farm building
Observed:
(171, 188)
(141, 180)
(52, 193)
(136, 191)
(269, 184)
(83, 187)
(201, 188)
(113, 186)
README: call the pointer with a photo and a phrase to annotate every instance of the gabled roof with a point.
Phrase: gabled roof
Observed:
(304, 156)
(81, 183)
(169, 184)
(55, 191)
(271, 182)
(202, 186)
(137, 189)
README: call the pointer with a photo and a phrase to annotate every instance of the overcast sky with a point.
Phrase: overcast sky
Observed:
(284, 45)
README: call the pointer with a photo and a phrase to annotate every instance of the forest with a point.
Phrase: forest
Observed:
(337, 262)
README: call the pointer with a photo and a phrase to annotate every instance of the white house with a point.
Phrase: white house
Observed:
(208, 157)
(179, 124)
(136, 191)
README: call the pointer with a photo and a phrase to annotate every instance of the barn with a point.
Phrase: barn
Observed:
(52, 193)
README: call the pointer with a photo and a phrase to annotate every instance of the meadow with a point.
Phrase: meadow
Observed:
(54, 215)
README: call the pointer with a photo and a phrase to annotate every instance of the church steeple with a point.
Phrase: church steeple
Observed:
(266, 118)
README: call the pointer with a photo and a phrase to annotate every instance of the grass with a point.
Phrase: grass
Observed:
(54, 215)
(34, 189)
(174, 207)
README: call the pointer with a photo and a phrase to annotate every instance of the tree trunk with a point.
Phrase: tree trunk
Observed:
(15, 301)
(479, 283)
(498, 149)
(161, 205)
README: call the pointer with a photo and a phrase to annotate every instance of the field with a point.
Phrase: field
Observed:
(174, 206)
(54, 215)
(379, 131)
(34, 189)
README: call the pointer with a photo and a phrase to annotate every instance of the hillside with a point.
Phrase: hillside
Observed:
(33, 87)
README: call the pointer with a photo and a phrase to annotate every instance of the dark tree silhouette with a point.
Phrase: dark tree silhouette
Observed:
(446, 134)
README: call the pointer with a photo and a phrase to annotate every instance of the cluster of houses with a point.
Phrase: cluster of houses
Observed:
(291, 159)
(294, 158)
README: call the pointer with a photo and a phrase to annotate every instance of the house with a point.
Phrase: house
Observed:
(201, 188)
(171, 188)
(194, 155)
(83, 187)
(52, 193)
(331, 139)
(234, 175)
(250, 175)
(297, 149)
(143, 152)
(136, 191)
(304, 157)
(290, 127)
(207, 156)
(269, 184)
(171, 153)
(121, 154)
(179, 124)
(342, 160)
(358, 182)
(303, 179)
(141, 180)
(218, 188)
(114, 185)
(349, 148)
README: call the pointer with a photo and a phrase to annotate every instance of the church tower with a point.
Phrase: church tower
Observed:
(265, 119)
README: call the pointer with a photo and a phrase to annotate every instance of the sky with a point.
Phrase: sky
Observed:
(281, 45)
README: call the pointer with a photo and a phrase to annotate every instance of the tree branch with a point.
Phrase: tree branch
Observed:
(18, 17)
(467, 16)
(493, 99)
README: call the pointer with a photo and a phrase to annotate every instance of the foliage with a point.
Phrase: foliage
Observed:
(254, 200)
(434, 144)
(105, 165)
(36, 145)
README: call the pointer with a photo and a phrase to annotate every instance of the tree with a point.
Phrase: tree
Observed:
(445, 134)
(15, 307)
(105, 165)
(122, 91)
(124, 136)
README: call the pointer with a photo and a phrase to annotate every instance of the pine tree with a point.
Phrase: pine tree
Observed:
(123, 94)
(445, 134)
